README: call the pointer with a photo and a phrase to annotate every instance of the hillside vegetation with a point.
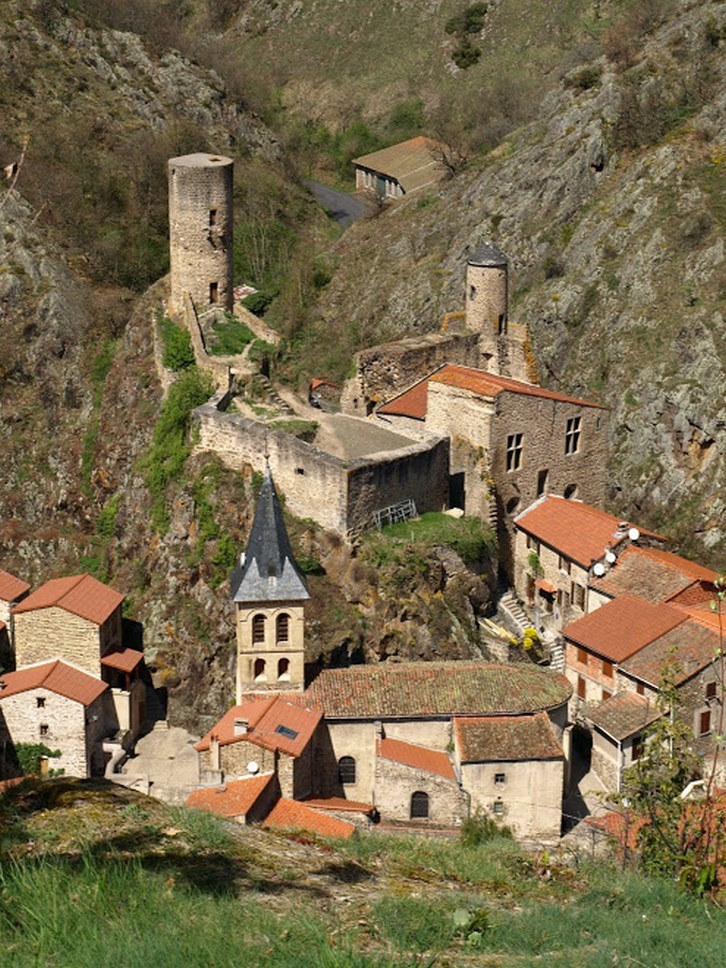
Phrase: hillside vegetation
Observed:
(94, 874)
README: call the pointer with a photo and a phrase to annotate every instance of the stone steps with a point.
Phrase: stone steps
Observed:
(557, 656)
(511, 607)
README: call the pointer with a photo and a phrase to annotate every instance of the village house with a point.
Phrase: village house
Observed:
(12, 591)
(511, 442)
(558, 542)
(400, 169)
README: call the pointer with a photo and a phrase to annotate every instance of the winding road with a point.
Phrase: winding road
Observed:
(344, 208)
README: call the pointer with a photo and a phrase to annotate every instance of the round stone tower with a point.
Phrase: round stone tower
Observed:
(200, 230)
(487, 274)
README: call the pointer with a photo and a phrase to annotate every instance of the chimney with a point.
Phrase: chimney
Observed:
(241, 726)
(214, 752)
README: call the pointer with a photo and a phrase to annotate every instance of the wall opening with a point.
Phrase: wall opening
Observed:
(259, 670)
(212, 217)
(282, 627)
(419, 805)
(258, 629)
(346, 769)
(283, 670)
(542, 481)
(570, 491)
(213, 292)
(457, 491)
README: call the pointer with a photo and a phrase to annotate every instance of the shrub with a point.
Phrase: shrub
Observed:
(178, 353)
(258, 302)
(466, 55)
(30, 754)
(480, 829)
(584, 78)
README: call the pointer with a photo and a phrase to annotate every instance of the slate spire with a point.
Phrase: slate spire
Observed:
(268, 572)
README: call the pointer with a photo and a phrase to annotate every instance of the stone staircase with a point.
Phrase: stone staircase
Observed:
(513, 611)
(557, 655)
(274, 398)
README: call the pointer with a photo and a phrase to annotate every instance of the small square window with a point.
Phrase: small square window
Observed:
(640, 688)
(498, 807)
(572, 435)
(514, 452)
(44, 729)
(40, 702)
(500, 777)
(607, 668)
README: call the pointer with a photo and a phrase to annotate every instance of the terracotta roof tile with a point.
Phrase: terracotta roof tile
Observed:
(340, 805)
(573, 529)
(80, 594)
(414, 689)
(57, 676)
(692, 646)
(293, 815)
(271, 724)
(418, 757)
(233, 799)
(11, 588)
(623, 715)
(414, 401)
(622, 627)
(125, 660)
(653, 574)
(506, 738)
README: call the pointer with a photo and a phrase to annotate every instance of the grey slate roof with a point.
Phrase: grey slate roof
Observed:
(268, 573)
(488, 255)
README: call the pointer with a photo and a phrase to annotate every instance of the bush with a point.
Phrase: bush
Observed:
(258, 302)
(466, 55)
(584, 78)
(178, 353)
(480, 829)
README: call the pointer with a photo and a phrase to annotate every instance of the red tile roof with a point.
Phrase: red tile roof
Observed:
(691, 646)
(623, 626)
(416, 689)
(57, 676)
(413, 402)
(11, 588)
(233, 799)
(506, 738)
(418, 757)
(340, 805)
(573, 529)
(80, 594)
(270, 723)
(291, 814)
(654, 574)
(125, 660)
(623, 715)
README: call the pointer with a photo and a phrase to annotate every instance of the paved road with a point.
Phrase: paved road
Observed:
(343, 208)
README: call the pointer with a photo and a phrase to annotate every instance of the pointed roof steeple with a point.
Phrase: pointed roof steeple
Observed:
(268, 572)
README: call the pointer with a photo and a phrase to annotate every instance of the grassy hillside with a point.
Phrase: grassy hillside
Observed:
(92, 874)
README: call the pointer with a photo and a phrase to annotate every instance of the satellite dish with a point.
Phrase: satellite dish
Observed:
(611, 557)
(253, 767)
(633, 534)
(599, 569)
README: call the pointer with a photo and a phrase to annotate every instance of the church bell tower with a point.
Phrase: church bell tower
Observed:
(269, 596)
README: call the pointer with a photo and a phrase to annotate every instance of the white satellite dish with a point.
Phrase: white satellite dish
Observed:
(633, 534)
(253, 767)
(599, 569)
(611, 557)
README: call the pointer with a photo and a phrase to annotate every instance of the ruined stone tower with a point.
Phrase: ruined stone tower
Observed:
(200, 231)
(487, 296)
(269, 596)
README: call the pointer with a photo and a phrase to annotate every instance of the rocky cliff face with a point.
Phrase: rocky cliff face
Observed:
(609, 209)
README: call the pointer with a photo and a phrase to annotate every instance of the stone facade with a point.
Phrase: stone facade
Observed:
(571, 598)
(271, 663)
(43, 716)
(232, 759)
(396, 783)
(54, 632)
(528, 798)
(339, 495)
(383, 371)
(200, 231)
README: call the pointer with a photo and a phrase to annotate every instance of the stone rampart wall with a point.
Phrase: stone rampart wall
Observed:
(383, 371)
(337, 495)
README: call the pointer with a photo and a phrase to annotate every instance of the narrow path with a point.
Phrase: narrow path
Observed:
(344, 208)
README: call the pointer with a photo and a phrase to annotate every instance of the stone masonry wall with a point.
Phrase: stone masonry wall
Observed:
(340, 497)
(48, 633)
(395, 783)
(200, 229)
(530, 794)
(383, 371)
(25, 722)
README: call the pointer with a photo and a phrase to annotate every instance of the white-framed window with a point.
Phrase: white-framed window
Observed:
(572, 435)
(514, 451)
(498, 807)
(500, 778)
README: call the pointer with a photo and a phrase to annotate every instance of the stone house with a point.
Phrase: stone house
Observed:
(12, 591)
(400, 169)
(78, 619)
(61, 706)
(248, 800)
(514, 768)
(618, 727)
(511, 442)
(558, 542)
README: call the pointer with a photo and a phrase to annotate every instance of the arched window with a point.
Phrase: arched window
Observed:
(283, 627)
(258, 629)
(419, 805)
(283, 669)
(346, 769)
(260, 670)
